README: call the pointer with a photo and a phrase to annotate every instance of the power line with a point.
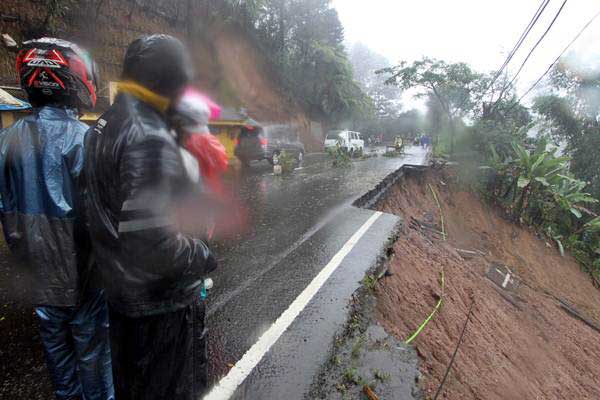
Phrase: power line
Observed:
(517, 46)
(511, 54)
(460, 339)
(530, 53)
(557, 58)
(524, 34)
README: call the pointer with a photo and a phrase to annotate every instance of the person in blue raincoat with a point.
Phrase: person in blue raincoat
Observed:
(41, 211)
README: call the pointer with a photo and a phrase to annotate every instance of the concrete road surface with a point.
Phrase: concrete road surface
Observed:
(281, 291)
(283, 286)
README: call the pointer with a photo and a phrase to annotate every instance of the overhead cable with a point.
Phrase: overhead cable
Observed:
(558, 58)
(517, 46)
(507, 86)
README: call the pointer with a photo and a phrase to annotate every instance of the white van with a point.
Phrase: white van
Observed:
(347, 139)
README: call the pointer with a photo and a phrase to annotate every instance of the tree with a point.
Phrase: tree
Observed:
(568, 115)
(386, 98)
(303, 39)
(434, 118)
(329, 89)
(457, 88)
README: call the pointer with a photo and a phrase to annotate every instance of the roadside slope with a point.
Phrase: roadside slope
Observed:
(521, 346)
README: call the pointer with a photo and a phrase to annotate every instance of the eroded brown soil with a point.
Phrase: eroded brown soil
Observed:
(531, 349)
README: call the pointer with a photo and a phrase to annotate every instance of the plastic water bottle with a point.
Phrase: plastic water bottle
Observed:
(206, 285)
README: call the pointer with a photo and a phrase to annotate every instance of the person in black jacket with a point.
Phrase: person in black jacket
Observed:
(153, 274)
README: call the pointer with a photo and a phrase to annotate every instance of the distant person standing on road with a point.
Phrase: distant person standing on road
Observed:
(427, 140)
(136, 174)
(41, 209)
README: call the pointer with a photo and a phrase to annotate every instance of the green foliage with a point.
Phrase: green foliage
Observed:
(540, 176)
(287, 162)
(370, 281)
(535, 186)
(593, 226)
(509, 123)
(529, 179)
(304, 41)
(340, 156)
(456, 87)
(244, 12)
(386, 117)
(351, 376)
(406, 124)
(337, 97)
(568, 117)
(358, 346)
(381, 376)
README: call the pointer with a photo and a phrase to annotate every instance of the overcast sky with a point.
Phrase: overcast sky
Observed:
(479, 32)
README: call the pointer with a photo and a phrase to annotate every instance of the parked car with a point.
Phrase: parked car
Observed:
(257, 143)
(349, 140)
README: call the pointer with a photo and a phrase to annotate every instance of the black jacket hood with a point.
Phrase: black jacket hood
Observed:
(158, 62)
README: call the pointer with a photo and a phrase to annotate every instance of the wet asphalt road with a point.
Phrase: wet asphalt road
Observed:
(296, 224)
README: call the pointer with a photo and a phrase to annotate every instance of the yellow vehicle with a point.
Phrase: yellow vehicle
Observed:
(396, 146)
(11, 109)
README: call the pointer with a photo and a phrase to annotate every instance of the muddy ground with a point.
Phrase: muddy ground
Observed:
(520, 345)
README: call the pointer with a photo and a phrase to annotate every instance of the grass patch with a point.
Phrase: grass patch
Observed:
(370, 281)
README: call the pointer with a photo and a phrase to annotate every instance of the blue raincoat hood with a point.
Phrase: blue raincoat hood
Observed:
(43, 141)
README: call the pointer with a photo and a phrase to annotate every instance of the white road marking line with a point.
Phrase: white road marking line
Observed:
(240, 371)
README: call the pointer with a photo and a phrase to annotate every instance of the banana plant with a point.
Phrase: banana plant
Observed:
(534, 172)
(558, 238)
(568, 193)
(540, 166)
(592, 231)
(501, 185)
(593, 226)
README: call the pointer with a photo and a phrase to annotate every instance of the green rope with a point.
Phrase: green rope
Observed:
(440, 208)
(439, 303)
(437, 306)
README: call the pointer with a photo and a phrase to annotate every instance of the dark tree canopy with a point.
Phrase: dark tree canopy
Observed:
(304, 40)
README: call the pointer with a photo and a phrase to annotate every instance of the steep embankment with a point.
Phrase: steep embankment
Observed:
(230, 64)
(519, 344)
(240, 69)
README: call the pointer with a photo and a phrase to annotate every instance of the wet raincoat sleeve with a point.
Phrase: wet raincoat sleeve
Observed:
(150, 176)
(74, 156)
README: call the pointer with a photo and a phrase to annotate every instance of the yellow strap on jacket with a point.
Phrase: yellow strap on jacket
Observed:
(157, 101)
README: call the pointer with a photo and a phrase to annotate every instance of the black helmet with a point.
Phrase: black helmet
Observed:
(54, 71)
(160, 63)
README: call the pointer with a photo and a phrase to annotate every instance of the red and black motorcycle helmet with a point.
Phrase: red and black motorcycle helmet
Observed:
(55, 71)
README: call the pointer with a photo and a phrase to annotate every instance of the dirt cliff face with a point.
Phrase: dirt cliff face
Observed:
(230, 66)
(519, 344)
(239, 70)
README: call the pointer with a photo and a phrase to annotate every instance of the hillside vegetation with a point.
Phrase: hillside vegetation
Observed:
(283, 60)
(510, 152)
